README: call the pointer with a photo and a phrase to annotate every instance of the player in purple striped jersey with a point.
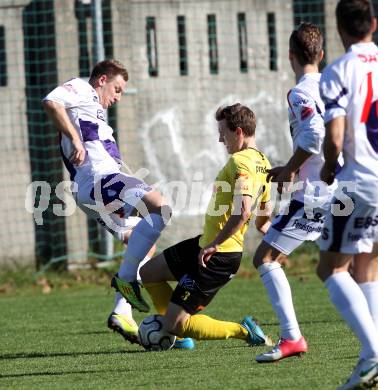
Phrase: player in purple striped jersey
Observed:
(90, 153)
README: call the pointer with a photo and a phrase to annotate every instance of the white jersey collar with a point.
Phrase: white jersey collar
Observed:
(362, 46)
(89, 87)
(313, 76)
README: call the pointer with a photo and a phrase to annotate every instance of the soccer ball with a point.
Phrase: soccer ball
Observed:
(151, 335)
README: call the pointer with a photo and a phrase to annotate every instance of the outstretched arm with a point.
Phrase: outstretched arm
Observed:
(287, 173)
(333, 143)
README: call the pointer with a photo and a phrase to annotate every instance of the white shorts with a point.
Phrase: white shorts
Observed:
(289, 231)
(111, 200)
(113, 223)
(351, 234)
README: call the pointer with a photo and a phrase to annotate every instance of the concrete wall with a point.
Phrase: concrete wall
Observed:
(68, 67)
(334, 45)
(16, 225)
(166, 123)
(175, 135)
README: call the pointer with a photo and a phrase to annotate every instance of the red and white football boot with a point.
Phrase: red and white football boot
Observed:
(283, 349)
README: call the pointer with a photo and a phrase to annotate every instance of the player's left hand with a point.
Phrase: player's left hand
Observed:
(274, 173)
(206, 253)
(283, 176)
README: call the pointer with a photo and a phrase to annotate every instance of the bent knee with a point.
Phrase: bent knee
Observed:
(155, 270)
(324, 270)
(331, 263)
(145, 273)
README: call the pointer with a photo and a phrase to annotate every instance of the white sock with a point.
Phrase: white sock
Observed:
(121, 306)
(279, 292)
(140, 242)
(352, 305)
(370, 290)
(141, 264)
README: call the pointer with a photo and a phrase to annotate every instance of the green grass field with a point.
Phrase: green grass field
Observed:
(60, 341)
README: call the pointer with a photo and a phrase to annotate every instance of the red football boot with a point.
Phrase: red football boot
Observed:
(283, 349)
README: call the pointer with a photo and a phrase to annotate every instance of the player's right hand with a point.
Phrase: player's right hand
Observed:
(78, 155)
(206, 253)
(327, 175)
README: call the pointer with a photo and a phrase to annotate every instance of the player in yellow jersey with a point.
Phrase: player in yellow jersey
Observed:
(202, 265)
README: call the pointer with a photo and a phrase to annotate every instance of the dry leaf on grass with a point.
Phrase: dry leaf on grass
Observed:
(5, 288)
(45, 284)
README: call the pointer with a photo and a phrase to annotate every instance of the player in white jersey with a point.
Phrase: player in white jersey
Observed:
(305, 216)
(90, 153)
(349, 89)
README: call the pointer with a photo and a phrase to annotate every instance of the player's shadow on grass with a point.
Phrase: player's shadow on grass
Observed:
(307, 322)
(325, 321)
(49, 373)
(94, 332)
(46, 374)
(38, 355)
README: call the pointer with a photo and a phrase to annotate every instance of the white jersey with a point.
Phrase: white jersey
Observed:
(88, 117)
(306, 111)
(349, 87)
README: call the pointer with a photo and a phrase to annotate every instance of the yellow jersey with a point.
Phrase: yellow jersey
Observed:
(244, 174)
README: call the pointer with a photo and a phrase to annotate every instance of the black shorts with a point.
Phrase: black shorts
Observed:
(197, 285)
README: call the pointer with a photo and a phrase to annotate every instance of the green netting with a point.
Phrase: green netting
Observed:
(45, 163)
(185, 58)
